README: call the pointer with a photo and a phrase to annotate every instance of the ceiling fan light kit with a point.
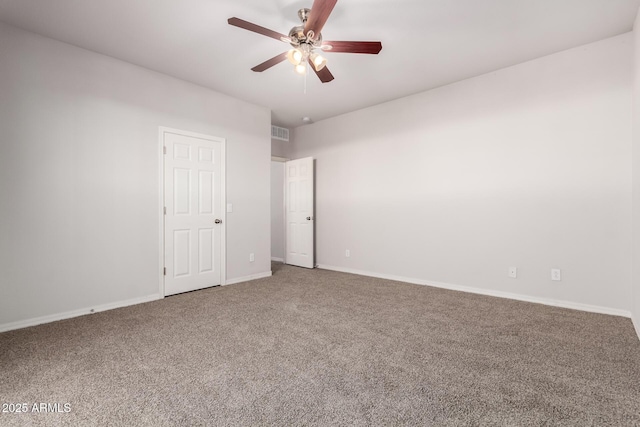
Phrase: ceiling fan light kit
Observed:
(301, 69)
(294, 56)
(307, 37)
(319, 62)
(301, 55)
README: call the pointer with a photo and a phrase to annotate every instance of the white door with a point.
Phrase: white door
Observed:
(193, 197)
(299, 212)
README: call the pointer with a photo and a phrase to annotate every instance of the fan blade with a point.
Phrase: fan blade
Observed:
(324, 75)
(270, 63)
(318, 16)
(353, 47)
(241, 23)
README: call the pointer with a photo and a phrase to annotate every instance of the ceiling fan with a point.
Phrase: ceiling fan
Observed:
(306, 38)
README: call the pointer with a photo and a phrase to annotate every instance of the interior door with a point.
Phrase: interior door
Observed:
(299, 211)
(193, 227)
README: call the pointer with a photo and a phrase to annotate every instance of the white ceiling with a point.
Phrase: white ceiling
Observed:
(426, 43)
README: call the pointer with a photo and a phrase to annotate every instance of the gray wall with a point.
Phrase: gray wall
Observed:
(281, 148)
(80, 177)
(528, 166)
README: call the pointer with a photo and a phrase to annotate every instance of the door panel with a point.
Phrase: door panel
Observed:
(206, 241)
(193, 197)
(181, 253)
(181, 189)
(206, 193)
(300, 212)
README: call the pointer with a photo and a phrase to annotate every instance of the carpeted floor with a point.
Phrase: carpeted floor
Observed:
(324, 348)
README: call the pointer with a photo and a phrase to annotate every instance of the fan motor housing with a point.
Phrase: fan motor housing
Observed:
(297, 33)
(298, 37)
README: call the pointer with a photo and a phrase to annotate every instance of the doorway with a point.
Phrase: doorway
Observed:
(293, 211)
(299, 212)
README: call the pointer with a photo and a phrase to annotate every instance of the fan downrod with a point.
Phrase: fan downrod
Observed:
(303, 14)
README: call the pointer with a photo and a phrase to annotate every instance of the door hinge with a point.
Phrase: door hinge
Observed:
(164, 150)
(164, 271)
(165, 210)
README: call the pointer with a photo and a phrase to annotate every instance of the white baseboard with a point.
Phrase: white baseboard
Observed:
(488, 292)
(277, 259)
(248, 278)
(75, 313)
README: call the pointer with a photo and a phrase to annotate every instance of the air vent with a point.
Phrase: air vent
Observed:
(279, 133)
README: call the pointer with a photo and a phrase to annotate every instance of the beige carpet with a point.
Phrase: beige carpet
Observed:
(323, 348)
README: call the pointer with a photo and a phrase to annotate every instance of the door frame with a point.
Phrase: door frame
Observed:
(162, 130)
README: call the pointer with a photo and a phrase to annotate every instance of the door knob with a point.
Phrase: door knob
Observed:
(218, 221)
(308, 218)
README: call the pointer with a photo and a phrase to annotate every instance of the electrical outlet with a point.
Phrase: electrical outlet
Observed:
(513, 272)
(347, 253)
(252, 257)
(556, 274)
